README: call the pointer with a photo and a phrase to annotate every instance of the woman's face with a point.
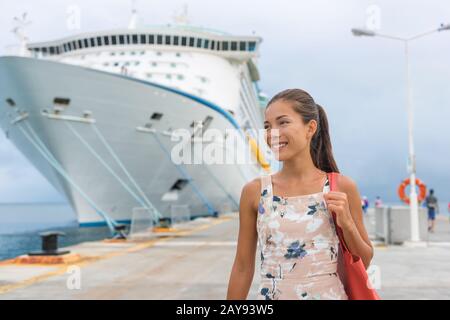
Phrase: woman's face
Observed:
(285, 132)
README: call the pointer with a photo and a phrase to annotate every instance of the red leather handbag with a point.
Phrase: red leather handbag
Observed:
(351, 269)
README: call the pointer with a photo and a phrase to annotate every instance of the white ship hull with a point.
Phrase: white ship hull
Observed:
(119, 105)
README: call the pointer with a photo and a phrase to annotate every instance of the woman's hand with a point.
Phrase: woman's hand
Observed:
(338, 203)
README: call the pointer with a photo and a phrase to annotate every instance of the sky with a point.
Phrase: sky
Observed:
(360, 81)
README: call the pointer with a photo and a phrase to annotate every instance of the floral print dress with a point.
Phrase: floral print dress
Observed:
(299, 247)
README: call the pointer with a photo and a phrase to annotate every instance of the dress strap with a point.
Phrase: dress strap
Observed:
(266, 189)
(266, 182)
(326, 186)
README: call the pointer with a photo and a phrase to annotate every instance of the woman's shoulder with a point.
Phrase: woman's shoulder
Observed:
(251, 191)
(252, 187)
(346, 183)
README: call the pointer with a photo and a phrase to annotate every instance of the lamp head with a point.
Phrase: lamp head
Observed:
(362, 32)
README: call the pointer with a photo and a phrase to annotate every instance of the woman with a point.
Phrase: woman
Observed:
(287, 212)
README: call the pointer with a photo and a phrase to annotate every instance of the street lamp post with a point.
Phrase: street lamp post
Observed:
(413, 203)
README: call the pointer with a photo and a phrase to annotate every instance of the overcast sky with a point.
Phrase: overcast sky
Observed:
(306, 44)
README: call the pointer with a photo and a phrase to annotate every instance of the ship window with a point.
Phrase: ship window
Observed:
(86, 44)
(206, 44)
(116, 64)
(180, 77)
(183, 41)
(176, 40)
(143, 39)
(179, 184)
(168, 42)
(112, 53)
(156, 116)
(168, 76)
(242, 45)
(121, 39)
(44, 50)
(149, 75)
(61, 101)
(137, 63)
(199, 43)
(224, 46)
(213, 45)
(80, 44)
(122, 53)
(11, 102)
(99, 41)
(58, 50)
(233, 45)
(158, 53)
(159, 39)
(191, 42)
(52, 50)
(135, 39)
(154, 64)
(133, 53)
(114, 40)
(142, 53)
(178, 54)
(251, 46)
(128, 39)
(65, 47)
(92, 42)
(106, 41)
(151, 39)
(218, 45)
(74, 44)
(173, 65)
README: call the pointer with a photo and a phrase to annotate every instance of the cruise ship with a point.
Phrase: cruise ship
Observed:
(96, 114)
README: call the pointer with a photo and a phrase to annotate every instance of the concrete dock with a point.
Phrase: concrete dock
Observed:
(195, 263)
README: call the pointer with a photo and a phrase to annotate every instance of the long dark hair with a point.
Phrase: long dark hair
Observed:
(304, 104)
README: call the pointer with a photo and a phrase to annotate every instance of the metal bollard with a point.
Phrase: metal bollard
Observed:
(165, 222)
(120, 232)
(50, 244)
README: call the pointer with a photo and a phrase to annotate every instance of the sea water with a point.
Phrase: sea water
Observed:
(21, 223)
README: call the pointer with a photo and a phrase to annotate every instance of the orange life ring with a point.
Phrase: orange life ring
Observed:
(422, 190)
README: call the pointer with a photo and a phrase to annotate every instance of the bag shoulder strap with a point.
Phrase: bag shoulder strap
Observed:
(332, 179)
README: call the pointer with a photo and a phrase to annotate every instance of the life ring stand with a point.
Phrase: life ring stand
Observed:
(402, 187)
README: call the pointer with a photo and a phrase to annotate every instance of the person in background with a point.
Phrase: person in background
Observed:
(365, 204)
(448, 210)
(433, 207)
(378, 202)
